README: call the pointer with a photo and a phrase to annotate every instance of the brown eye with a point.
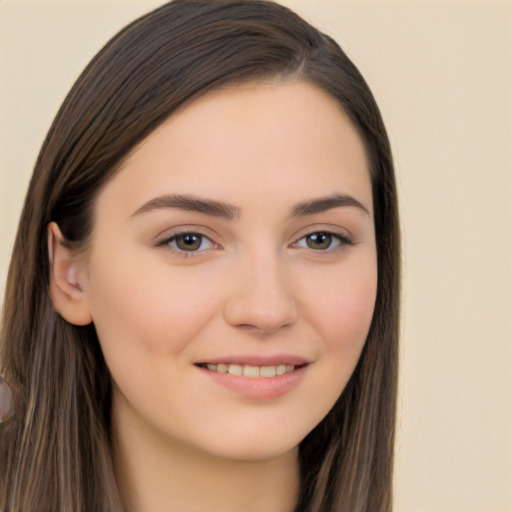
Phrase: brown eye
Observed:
(188, 242)
(323, 241)
(319, 241)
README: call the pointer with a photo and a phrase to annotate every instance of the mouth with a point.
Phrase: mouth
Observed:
(251, 371)
(256, 376)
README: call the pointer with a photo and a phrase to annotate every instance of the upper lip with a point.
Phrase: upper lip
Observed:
(258, 360)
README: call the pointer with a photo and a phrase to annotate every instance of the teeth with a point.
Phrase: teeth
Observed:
(222, 368)
(235, 369)
(251, 371)
(281, 369)
(268, 371)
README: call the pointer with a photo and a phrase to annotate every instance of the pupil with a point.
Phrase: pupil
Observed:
(189, 242)
(319, 241)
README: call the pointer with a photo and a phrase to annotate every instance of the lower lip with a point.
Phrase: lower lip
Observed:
(258, 387)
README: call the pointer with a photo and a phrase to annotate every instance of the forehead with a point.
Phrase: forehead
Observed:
(236, 142)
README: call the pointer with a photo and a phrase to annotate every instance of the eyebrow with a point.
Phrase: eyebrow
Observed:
(231, 212)
(190, 203)
(323, 204)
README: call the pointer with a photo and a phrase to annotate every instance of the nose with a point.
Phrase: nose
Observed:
(261, 296)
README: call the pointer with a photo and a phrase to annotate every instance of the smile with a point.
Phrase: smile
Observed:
(246, 370)
(253, 381)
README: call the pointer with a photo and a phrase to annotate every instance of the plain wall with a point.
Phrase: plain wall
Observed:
(442, 73)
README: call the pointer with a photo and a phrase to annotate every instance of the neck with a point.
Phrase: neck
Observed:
(162, 475)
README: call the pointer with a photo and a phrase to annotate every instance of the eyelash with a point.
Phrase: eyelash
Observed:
(342, 240)
(167, 242)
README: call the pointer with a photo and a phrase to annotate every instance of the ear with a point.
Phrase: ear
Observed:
(67, 279)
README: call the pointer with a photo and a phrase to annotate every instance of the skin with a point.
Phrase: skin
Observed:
(257, 285)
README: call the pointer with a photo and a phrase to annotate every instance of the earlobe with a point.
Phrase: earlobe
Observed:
(67, 279)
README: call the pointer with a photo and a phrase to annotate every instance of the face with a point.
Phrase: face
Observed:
(232, 271)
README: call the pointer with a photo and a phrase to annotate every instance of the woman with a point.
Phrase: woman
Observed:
(202, 305)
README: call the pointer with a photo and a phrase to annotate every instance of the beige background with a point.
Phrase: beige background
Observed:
(442, 73)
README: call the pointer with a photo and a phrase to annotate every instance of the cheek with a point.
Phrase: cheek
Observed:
(342, 316)
(349, 313)
(147, 308)
(344, 304)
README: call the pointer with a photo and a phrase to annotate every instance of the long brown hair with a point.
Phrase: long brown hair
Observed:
(55, 454)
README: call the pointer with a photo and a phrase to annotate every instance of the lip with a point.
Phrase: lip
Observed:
(258, 387)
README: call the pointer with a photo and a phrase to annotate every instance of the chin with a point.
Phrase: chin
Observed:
(254, 452)
(260, 445)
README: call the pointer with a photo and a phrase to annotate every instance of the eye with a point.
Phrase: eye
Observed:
(188, 242)
(323, 241)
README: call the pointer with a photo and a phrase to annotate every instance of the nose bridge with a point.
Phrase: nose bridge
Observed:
(262, 295)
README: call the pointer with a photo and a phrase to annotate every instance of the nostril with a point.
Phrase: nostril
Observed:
(252, 329)
(264, 327)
